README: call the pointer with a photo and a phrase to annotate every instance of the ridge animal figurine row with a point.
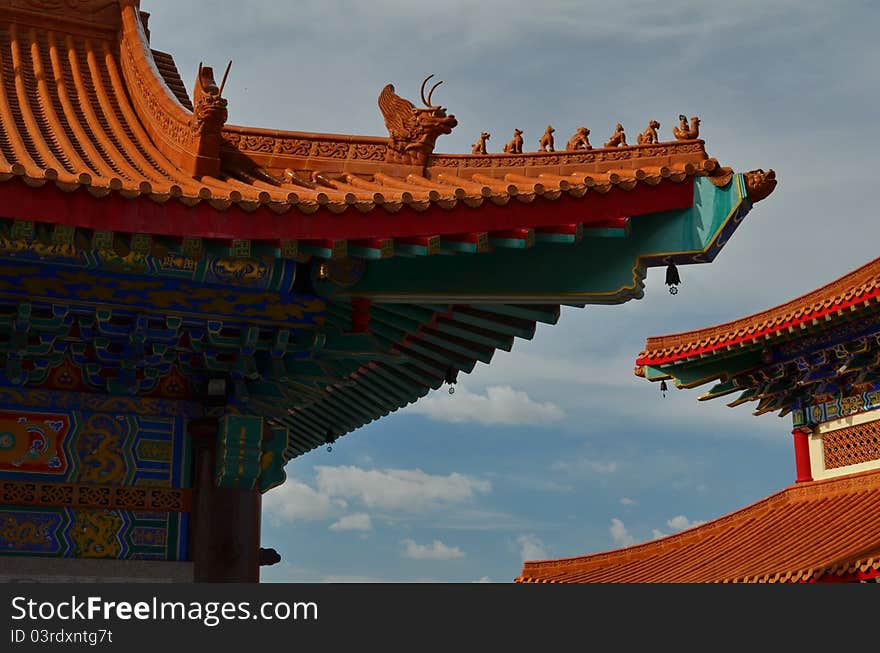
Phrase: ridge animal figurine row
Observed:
(580, 140)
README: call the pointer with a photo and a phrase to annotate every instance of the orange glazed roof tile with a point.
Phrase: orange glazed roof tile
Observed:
(857, 289)
(811, 531)
(85, 102)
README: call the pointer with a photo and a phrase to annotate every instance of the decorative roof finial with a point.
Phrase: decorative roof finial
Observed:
(546, 141)
(413, 131)
(209, 105)
(649, 136)
(580, 140)
(760, 184)
(516, 143)
(618, 138)
(683, 132)
(480, 146)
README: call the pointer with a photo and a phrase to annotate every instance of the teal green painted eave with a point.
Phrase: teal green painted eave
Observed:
(597, 270)
(693, 373)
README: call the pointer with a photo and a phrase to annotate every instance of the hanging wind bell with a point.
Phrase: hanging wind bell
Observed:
(672, 279)
(451, 379)
(663, 387)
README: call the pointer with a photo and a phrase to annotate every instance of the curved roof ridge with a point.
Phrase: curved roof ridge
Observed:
(97, 109)
(860, 285)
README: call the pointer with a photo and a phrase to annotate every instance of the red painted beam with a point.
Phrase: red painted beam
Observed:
(142, 215)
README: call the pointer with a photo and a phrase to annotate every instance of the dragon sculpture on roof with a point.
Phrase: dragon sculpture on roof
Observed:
(413, 131)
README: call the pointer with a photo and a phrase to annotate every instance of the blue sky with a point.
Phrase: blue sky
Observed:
(556, 449)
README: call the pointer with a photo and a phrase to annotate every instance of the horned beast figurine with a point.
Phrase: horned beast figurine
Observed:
(516, 143)
(480, 146)
(546, 141)
(413, 131)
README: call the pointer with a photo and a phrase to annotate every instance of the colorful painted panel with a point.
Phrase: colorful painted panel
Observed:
(146, 256)
(838, 406)
(71, 533)
(34, 443)
(161, 296)
(69, 401)
(93, 447)
(81, 446)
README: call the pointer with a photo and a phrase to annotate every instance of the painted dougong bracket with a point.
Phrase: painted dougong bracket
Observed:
(249, 456)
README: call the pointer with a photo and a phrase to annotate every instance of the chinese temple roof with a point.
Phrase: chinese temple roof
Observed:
(811, 349)
(86, 105)
(819, 531)
(147, 247)
(855, 291)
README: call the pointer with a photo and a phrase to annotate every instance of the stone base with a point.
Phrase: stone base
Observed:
(14, 569)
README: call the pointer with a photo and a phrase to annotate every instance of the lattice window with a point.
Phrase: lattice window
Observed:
(852, 445)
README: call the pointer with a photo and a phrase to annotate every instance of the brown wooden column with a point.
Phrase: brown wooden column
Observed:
(225, 522)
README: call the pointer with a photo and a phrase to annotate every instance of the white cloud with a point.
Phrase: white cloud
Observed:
(581, 465)
(681, 522)
(437, 550)
(531, 547)
(677, 523)
(295, 501)
(619, 533)
(628, 502)
(409, 490)
(500, 405)
(356, 522)
(484, 579)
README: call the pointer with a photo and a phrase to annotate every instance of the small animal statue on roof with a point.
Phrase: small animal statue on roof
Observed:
(580, 140)
(516, 143)
(546, 142)
(618, 138)
(209, 106)
(649, 136)
(413, 131)
(480, 146)
(683, 132)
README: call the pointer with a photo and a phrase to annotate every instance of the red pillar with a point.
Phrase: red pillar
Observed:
(802, 453)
